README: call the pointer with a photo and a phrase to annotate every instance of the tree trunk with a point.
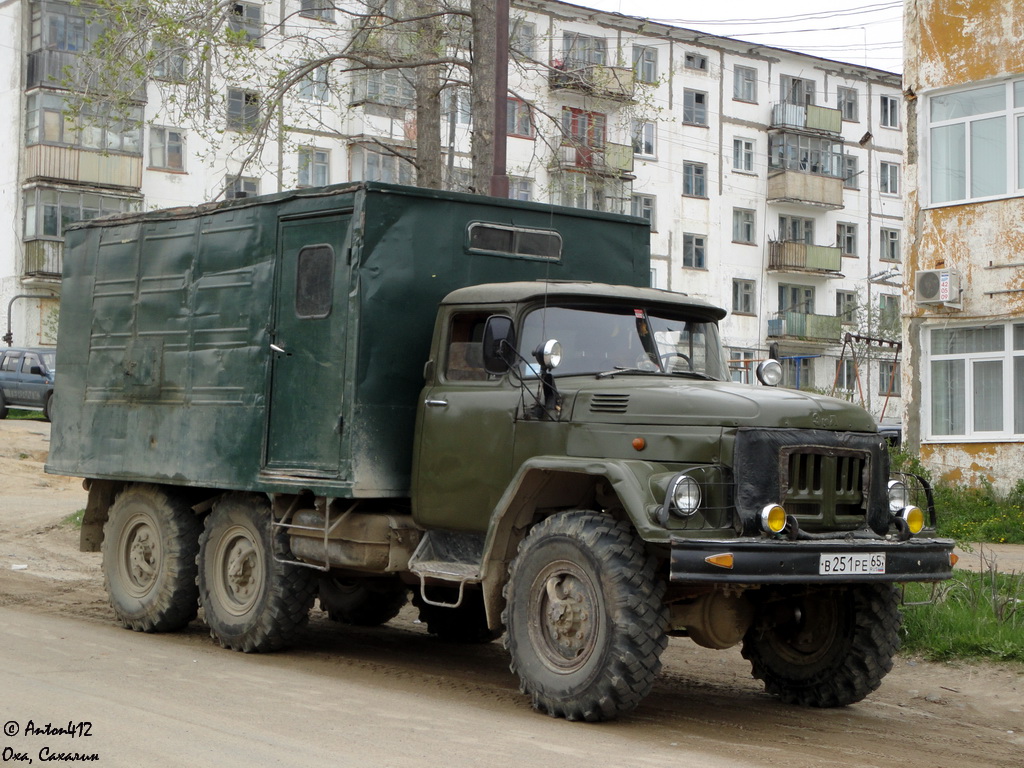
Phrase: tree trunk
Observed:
(429, 162)
(484, 44)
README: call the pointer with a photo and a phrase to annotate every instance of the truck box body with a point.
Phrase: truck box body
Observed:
(279, 342)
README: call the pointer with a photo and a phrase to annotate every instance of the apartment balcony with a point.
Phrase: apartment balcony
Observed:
(83, 166)
(608, 160)
(805, 187)
(66, 70)
(789, 256)
(807, 117)
(44, 258)
(825, 329)
(612, 83)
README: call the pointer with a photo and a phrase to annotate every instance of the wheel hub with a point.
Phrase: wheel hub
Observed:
(139, 546)
(565, 606)
(240, 571)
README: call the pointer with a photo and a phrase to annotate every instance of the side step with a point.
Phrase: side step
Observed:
(448, 556)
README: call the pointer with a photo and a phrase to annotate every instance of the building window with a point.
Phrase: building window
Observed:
(743, 225)
(797, 90)
(695, 107)
(645, 63)
(698, 61)
(797, 373)
(643, 206)
(61, 27)
(846, 238)
(314, 167)
(889, 315)
(847, 101)
(167, 149)
(796, 229)
(889, 379)
(975, 144)
(243, 109)
(457, 106)
(889, 245)
(519, 119)
(169, 62)
(851, 172)
(582, 190)
(520, 189)
(240, 187)
(523, 39)
(694, 247)
(846, 307)
(796, 298)
(741, 363)
(890, 112)
(695, 179)
(889, 183)
(370, 165)
(643, 138)
(314, 86)
(976, 386)
(743, 155)
(389, 87)
(583, 50)
(318, 9)
(583, 128)
(245, 21)
(744, 296)
(846, 375)
(92, 128)
(48, 211)
(819, 155)
(744, 84)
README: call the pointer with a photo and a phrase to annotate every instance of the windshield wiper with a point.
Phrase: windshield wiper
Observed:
(625, 369)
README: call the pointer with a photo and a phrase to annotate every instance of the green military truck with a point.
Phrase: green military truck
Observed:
(361, 392)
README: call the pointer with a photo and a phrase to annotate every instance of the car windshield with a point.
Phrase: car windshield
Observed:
(611, 339)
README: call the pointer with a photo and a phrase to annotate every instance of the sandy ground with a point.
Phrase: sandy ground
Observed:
(394, 696)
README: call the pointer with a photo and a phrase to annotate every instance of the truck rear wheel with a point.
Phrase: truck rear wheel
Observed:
(362, 602)
(149, 549)
(825, 647)
(252, 601)
(585, 623)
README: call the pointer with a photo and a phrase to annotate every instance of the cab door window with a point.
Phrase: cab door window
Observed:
(464, 360)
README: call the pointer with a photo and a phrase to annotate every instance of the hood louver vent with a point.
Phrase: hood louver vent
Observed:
(609, 403)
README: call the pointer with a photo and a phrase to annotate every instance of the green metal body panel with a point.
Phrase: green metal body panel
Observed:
(219, 347)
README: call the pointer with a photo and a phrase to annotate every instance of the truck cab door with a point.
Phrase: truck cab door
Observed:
(465, 426)
(308, 347)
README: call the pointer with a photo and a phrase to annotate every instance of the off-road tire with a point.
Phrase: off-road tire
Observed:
(365, 602)
(252, 602)
(465, 624)
(3, 406)
(584, 617)
(48, 407)
(150, 541)
(824, 647)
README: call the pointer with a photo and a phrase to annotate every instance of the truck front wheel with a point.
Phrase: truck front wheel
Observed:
(824, 647)
(149, 549)
(585, 622)
(252, 601)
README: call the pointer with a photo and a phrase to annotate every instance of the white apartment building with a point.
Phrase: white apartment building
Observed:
(772, 179)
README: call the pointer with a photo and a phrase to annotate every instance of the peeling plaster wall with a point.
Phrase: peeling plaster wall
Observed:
(948, 44)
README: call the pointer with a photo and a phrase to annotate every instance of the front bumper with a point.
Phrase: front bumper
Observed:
(773, 561)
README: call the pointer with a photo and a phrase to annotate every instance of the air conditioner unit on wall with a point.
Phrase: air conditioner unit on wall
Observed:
(937, 286)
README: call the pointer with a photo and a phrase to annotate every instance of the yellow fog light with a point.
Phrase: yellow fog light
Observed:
(914, 518)
(773, 519)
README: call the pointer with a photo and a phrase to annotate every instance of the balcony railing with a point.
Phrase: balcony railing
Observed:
(797, 325)
(804, 188)
(789, 256)
(43, 161)
(607, 160)
(808, 117)
(44, 258)
(615, 83)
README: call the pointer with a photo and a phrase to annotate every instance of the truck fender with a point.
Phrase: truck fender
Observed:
(545, 485)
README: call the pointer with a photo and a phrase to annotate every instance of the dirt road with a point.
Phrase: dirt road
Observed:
(394, 696)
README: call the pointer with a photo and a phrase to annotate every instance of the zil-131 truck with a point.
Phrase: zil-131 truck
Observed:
(367, 391)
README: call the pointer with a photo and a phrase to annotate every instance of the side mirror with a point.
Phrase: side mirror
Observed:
(37, 370)
(499, 341)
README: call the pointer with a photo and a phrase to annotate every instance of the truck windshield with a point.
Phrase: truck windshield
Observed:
(606, 340)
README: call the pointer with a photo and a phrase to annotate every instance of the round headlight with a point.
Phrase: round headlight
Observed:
(914, 518)
(899, 497)
(769, 373)
(773, 519)
(685, 496)
(550, 354)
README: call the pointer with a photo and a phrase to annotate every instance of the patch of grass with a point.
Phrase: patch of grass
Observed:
(971, 616)
(971, 514)
(74, 520)
(18, 414)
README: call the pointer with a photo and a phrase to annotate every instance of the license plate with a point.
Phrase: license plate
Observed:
(851, 565)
